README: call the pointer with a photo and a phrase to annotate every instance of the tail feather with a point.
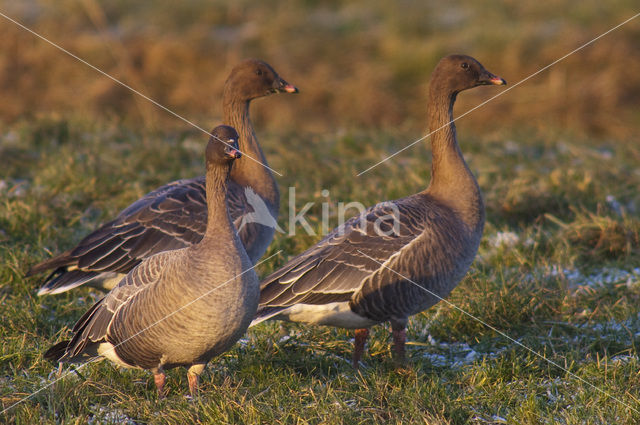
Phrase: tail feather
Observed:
(59, 261)
(56, 352)
(265, 313)
(62, 280)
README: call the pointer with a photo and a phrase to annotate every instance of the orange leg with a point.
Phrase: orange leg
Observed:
(160, 378)
(193, 384)
(360, 341)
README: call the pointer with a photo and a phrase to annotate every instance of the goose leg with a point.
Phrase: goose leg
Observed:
(399, 334)
(399, 338)
(192, 376)
(193, 384)
(160, 378)
(360, 341)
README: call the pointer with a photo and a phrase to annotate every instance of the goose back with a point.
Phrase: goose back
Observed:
(174, 216)
(374, 268)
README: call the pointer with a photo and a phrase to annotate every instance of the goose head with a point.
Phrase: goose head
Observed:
(253, 78)
(223, 147)
(456, 73)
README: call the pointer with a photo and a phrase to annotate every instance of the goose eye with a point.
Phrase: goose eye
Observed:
(259, 72)
(465, 65)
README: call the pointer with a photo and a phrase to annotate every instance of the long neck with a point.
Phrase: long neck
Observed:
(451, 179)
(217, 212)
(250, 171)
(447, 164)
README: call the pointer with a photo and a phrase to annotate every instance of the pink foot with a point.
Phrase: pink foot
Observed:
(360, 341)
(160, 379)
(193, 384)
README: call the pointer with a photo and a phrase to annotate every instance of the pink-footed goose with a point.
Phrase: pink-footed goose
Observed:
(180, 307)
(367, 271)
(174, 216)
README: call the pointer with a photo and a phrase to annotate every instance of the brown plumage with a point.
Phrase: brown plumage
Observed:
(180, 307)
(368, 271)
(174, 216)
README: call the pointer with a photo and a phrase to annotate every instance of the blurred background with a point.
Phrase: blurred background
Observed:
(358, 64)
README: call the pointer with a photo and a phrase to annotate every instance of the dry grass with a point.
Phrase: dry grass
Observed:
(601, 237)
(357, 64)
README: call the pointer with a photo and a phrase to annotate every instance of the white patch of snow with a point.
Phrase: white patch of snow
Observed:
(624, 359)
(604, 278)
(105, 415)
(284, 339)
(504, 239)
(452, 354)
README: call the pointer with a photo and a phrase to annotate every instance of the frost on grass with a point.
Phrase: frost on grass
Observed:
(105, 415)
(14, 188)
(504, 239)
(605, 277)
(452, 354)
(614, 328)
(495, 419)
(500, 241)
(623, 359)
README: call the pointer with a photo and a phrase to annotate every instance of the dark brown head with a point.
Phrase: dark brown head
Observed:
(455, 73)
(223, 146)
(254, 78)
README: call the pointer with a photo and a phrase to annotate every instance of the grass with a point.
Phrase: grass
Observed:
(560, 277)
(556, 158)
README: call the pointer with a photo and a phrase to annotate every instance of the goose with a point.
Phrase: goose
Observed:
(179, 307)
(399, 257)
(174, 215)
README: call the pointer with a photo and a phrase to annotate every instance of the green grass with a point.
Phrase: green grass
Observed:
(557, 271)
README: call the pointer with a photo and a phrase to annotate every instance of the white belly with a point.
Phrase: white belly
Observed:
(336, 314)
(106, 350)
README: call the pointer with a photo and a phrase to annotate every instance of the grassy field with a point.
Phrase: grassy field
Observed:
(557, 159)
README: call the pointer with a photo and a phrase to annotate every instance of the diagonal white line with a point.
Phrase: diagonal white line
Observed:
(501, 333)
(114, 79)
(96, 359)
(503, 92)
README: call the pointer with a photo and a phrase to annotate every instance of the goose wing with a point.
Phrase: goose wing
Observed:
(171, 217)
(95, 324)
(334, 269)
